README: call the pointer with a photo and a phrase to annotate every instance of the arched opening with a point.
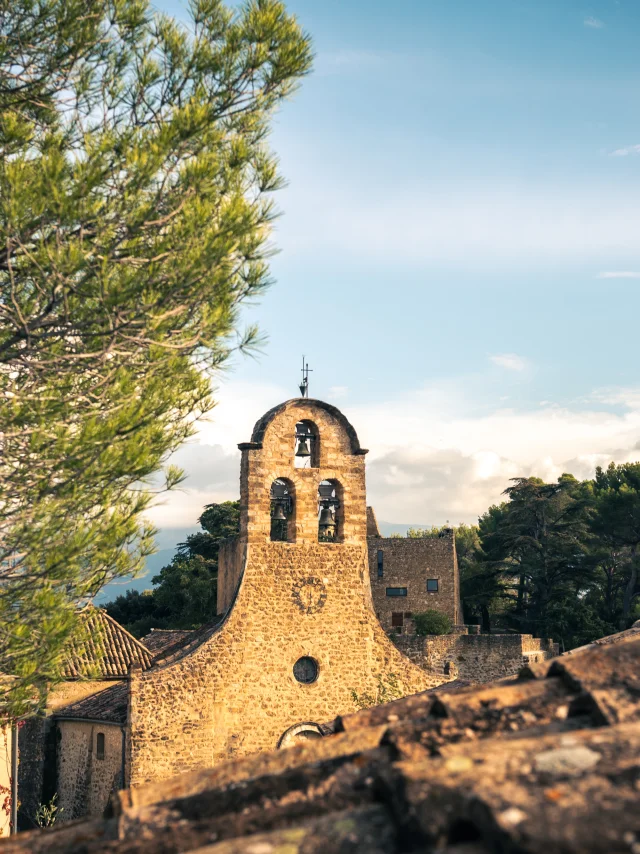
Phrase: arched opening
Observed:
(307, 446)
(330, 512)
(283, 521)
(307, 731)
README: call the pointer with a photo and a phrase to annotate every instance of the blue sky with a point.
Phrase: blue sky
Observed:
(459, 250)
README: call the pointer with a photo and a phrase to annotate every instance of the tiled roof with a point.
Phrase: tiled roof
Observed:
(103, 650)
(109, 705)
(547, 763)
(187, 644)
(159, 641)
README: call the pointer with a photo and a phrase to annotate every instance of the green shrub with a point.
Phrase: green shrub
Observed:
(432, 623)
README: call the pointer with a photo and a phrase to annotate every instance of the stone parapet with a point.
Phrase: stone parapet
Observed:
(475, 657)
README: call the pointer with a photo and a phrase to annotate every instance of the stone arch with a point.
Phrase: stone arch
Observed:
(330, 511)
(282, 503)
(260, 427)
(307, 439)
(306, 731)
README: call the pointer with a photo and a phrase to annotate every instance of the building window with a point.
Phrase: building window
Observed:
(432, 585)
(380, 563)
(100, 745)
(305, 670)
(396, 591)
(397, 619)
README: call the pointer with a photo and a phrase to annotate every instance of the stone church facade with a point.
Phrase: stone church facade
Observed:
(300, 642)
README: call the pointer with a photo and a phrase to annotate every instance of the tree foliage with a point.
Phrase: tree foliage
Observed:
(432, 622)
(185, 591)
(554, 559)
(135, 206)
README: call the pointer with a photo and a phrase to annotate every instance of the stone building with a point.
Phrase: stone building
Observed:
(299, 641)
(295, 643)
(409, 576)
(75, 749)
(413, 575)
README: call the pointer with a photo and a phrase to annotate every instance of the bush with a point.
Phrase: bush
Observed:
(432, 623)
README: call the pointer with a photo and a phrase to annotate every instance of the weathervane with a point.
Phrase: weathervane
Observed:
(304, 385)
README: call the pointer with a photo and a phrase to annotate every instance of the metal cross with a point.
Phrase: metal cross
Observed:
(304, 385)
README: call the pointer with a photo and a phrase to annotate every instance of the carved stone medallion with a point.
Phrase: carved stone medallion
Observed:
(309, 594)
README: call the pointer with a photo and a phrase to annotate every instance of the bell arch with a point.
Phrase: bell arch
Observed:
(330, 511)
(306, 445)
(282, 508)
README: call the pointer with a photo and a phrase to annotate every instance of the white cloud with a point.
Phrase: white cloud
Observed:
(619, 274)
(433, 455)
(338, 392)
(509, 361)
(624, 152)
(467, 226)
(593, 23)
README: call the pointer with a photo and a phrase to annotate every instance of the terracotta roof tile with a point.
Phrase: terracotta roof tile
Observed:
(109, 705)
(158, 641)
(104, 650)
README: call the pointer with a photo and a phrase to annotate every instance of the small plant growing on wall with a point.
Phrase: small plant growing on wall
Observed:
(432, 623)
(387, 689)
(47, 814)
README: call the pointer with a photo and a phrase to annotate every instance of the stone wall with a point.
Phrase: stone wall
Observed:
(409, 563)
(85, 782)
(32, 742)
(235, 693)
(37, 771)
(230, 565)
(475, 657)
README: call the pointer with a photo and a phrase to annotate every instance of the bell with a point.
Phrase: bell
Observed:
(326, 518)
(279, 514)
(303, 448)
(326, 489)
(278, 489)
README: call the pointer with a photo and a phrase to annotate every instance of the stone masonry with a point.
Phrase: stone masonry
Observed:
(87, 776)
(407, 565)
(468, 655)
(233, 691)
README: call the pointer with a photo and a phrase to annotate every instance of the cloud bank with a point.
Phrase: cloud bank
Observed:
(431, 458)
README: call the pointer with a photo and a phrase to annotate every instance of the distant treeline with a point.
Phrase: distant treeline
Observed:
(554, 559)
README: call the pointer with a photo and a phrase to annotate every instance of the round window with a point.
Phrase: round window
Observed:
(306, 670)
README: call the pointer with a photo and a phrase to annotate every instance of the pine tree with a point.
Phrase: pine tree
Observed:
(135, 206)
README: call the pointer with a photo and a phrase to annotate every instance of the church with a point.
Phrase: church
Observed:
(295, 643)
